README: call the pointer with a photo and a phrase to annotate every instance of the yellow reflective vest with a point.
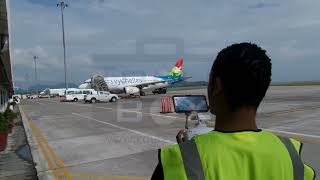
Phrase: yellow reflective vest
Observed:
(246, 155)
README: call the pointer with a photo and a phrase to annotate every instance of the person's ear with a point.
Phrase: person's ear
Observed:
(217, 86)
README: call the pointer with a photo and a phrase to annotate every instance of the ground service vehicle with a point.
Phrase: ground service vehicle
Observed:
(78, 94)
(102, 96)
(55, 92)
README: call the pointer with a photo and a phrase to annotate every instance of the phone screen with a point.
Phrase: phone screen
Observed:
(188, 103)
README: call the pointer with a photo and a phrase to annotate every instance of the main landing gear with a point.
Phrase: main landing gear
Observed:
(160, 91)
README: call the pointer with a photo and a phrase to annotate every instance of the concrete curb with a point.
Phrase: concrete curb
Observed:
(41, 164)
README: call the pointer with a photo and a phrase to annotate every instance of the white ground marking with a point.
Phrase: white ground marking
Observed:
(280, 103)
(126, 129)
(152, 114)
(125, 110)
(160, 115)
(104, 108)
(40, 103)
(293, 133)
(48, 101)
(76, 104)
(174, 117)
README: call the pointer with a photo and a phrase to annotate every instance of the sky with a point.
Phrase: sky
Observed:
(145, 37)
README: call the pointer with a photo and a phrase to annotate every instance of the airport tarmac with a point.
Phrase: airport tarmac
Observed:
(120, 140)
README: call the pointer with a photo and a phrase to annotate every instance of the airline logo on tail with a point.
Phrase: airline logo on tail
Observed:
(176, 71)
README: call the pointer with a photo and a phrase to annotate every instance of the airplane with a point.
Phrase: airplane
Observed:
(139, 84)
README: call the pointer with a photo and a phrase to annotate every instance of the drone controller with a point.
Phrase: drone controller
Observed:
(193, 106)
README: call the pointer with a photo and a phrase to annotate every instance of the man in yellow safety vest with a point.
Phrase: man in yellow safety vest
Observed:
(237, 148)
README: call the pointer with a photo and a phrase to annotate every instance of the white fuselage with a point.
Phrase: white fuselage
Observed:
(117, 84)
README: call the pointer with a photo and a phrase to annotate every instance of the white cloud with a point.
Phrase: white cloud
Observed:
(25, 57)
(288, 29)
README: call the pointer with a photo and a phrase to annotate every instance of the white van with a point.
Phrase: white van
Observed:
(78, 94)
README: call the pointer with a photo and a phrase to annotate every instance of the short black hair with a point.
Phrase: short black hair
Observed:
(245, 73)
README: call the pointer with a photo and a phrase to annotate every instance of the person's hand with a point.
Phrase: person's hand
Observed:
(181, 136)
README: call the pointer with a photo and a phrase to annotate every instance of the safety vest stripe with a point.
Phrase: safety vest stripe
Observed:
(298, 168)
(191, 160)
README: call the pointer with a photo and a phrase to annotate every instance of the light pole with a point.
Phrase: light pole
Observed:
(35, 71)
(63, 5)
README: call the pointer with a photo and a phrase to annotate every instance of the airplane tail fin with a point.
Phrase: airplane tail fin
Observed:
(176, 71)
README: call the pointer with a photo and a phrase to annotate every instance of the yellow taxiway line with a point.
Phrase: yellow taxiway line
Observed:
(97, 176)
(48, 151)
(53, 160)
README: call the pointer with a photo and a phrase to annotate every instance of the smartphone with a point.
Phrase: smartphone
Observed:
(189, 103)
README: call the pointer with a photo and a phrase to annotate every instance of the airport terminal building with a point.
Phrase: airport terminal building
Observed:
(6, 85)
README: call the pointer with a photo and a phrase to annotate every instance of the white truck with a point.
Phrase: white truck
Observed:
(102, 96)
(78, 94)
